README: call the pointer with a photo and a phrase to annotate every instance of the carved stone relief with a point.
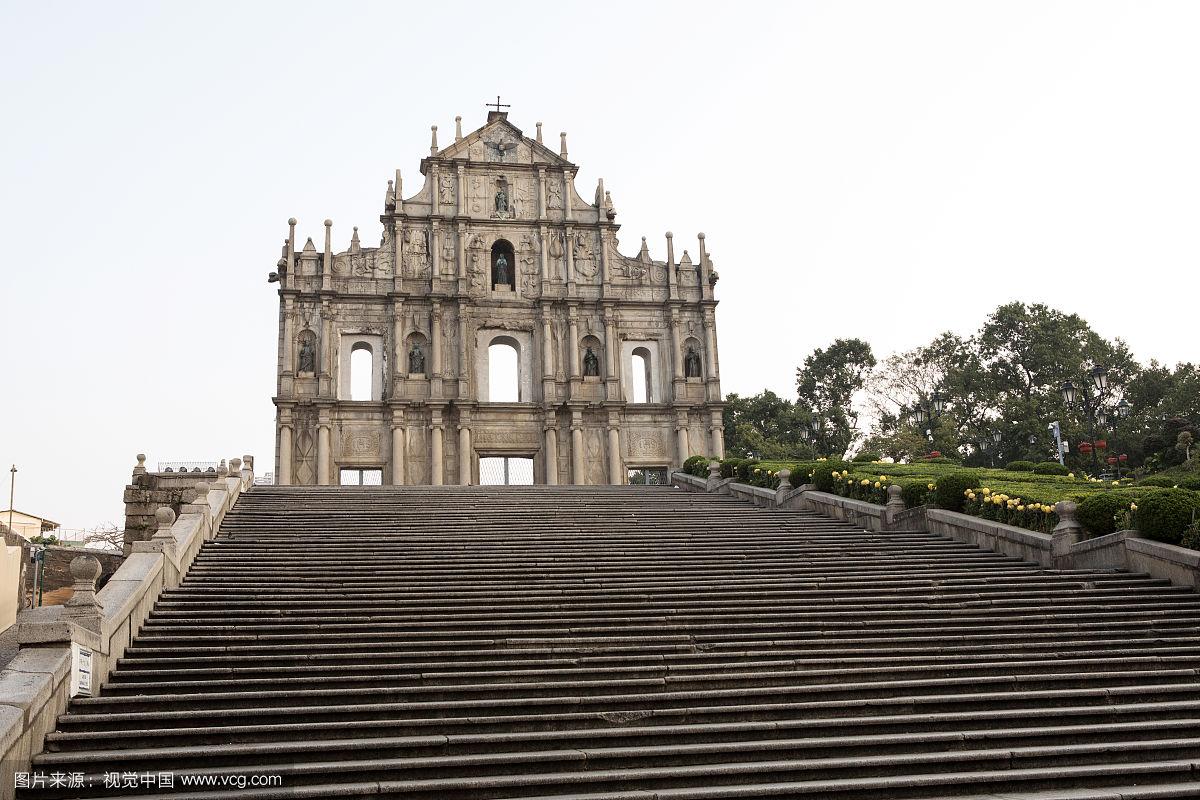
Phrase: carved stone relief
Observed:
(446, 189)
(643, 444)
(416, 255)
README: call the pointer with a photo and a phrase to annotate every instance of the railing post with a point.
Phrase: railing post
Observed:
(785, 486)
(83, 608)
(1067, 532)
(893, 507)
(714, 476)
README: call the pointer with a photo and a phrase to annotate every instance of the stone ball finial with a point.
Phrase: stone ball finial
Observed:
(670, 235)
(458, 117)
(699, 235)
(893, 492)
(141, 459)
(433, 127)
(201, 487)
(235, 465)
(329, 222)
(165, 517)
(291, 220)
(85, 569)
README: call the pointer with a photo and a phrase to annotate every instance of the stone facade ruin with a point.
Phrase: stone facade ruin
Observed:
(617, 355)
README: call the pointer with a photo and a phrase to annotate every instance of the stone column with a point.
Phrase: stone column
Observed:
(681, 433)
(569, 255)
(436, 465)
(541, 194)
(568, 193)
(399, 354)
(551, 452)
(435, 337)
(399, 449)
(461, 195)
(713, 375)
(289, 362)
(464, 364)
(604, 276)
(573, 344)
(615, 472)
(323, 455)
(464, 455)
(544, 258)
(435, 250)
(284, 478)
(612, 360)
(717, 434)
(676, 353)
(577, 472)
(433, 181)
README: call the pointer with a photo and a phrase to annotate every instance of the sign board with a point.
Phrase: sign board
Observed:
(81, 670)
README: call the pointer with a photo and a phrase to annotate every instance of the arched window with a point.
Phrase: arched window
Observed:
(504, 371)
(362, 372)
(642, 380)
(504, 264)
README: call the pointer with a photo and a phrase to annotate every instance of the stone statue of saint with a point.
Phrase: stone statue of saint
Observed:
(502, 201)
(416, 361)
(308, 356)
(591, 364)
(691, 364)
(501, 269)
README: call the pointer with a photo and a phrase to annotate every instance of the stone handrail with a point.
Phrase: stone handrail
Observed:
(52, 664)
(1065, 548)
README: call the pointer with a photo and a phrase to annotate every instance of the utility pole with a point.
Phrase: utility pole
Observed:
(12, 483)
(1054, 426)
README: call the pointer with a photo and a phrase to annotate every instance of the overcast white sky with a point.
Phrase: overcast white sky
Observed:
(886, 170)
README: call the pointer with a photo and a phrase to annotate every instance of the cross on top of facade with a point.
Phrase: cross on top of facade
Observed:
(498, 104)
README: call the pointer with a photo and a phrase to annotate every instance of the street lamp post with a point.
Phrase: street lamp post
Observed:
(1093, 406)
(929, 415)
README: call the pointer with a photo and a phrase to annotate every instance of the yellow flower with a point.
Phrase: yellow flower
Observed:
(1133, 506)
(1048, 509)
(845, 472)
(986, 491)
(1070, 474)
(864, 482)
(834, 474)
(931, 487)
(877, 484)
(883, 477)
(1020, 508)
(1116, 483)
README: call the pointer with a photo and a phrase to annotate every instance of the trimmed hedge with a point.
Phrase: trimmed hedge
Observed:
(1050, 468)
(950, 490)
(1098, 512)
(823, 474)
(914, 493)
(866, 456)
(1157, 480)
(1020, 466)
(1164, 516)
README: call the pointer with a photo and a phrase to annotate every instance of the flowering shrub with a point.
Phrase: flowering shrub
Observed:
(1023, 512)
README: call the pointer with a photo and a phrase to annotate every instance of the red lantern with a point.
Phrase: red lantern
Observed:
(1124, 456)
(1111, 459)
(1101, 444)
(1085, 447)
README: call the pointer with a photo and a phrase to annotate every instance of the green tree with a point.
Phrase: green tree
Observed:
(766, 425)
(827, 384)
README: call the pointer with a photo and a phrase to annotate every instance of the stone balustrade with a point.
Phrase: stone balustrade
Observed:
(1065, 548)
(57, 642)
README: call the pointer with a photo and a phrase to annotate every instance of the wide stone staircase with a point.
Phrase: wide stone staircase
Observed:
(632, 642)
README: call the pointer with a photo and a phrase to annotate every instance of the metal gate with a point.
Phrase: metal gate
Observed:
(506, 471)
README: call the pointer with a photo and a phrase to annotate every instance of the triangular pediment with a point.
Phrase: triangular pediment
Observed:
(499, 141)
